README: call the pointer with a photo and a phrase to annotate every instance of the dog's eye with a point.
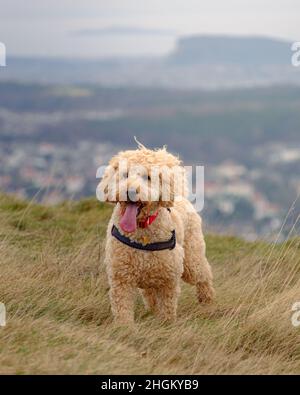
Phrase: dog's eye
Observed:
(146, 177)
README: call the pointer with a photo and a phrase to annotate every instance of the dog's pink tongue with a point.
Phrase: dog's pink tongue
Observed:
(128, 220)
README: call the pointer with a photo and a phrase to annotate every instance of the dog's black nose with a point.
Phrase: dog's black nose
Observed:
(132, 194)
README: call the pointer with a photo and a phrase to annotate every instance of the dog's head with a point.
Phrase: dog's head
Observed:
(141, 181)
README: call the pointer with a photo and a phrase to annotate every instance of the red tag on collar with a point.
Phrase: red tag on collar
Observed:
(148, 221)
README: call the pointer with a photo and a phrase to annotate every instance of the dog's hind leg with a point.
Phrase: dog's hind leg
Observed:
(150, 299)
(197, 270)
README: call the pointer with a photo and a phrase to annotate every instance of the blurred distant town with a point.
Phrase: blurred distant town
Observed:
(54, 136)
(237, 199)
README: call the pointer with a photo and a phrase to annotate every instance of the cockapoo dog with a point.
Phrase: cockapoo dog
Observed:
(154, 237)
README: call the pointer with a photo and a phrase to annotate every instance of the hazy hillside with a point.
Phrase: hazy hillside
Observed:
(55, 290)
(205, 62)
(232, 50)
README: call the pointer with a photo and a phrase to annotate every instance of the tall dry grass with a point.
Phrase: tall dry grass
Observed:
(54, 287)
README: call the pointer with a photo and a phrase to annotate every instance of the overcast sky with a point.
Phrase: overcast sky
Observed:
(98, 28)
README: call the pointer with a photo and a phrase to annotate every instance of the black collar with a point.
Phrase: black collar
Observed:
(158, 246)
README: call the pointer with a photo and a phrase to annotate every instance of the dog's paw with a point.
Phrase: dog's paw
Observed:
(205, 293)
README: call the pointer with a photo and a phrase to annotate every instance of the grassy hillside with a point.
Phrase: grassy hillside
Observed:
(54, 286)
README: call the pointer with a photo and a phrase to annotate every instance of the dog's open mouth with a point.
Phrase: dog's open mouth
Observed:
(128, 222)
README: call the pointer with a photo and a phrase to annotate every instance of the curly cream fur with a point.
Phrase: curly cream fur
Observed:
(156, 273)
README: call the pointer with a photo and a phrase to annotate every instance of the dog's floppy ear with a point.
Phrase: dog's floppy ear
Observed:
(106, 189)
(173, 184)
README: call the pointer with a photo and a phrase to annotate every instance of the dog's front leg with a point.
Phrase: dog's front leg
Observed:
(121, 298)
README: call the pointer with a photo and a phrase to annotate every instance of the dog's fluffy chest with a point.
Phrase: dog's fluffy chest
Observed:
(152, 269)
